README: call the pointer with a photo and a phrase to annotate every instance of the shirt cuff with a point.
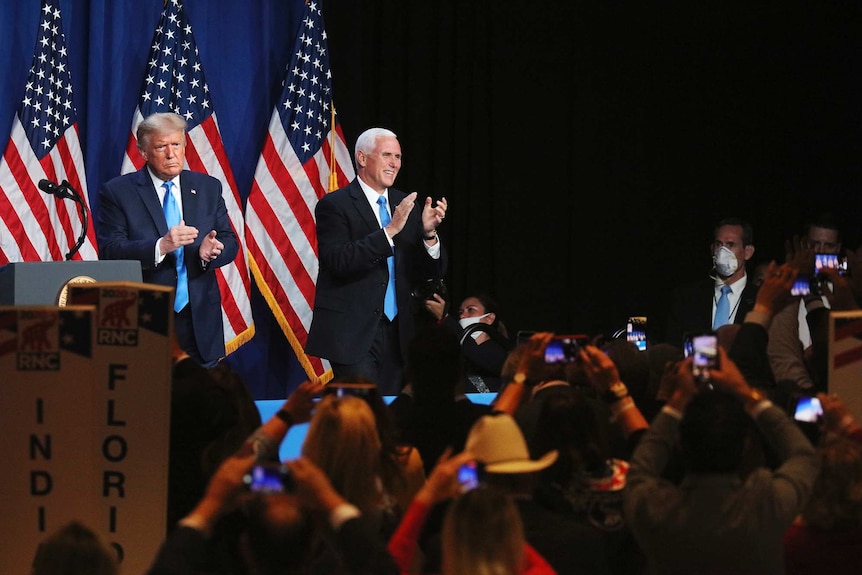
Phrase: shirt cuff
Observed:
(758, 408)
(618, 407)
(433, 251)
(673, 412)
(758, 317)
(158, 257)
(342, 514)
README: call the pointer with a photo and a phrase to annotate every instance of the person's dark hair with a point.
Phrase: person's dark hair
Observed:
(747, 230)
(491, 306)
(202, 412)
(569, 424)
(632, 365)
(433, 366)
(546, 372)
(243, 424)
(661, 358)
(713, 432)
(279, 535)
(74, 549)
(824, 220)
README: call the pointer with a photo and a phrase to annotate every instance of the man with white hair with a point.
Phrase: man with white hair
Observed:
(374, 243)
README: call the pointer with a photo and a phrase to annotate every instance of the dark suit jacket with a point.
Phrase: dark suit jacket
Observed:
(131, 220)
(352, 250)
(691, 308)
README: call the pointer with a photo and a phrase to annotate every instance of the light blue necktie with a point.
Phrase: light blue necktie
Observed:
(390, 306)
(722, 309)
(172, 216)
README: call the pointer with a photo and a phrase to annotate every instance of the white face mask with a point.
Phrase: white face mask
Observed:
(725, 262)
(466, 322)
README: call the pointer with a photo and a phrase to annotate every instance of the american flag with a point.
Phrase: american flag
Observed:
(846, 341)
(174, 82)
(44, 144)
(301, 152)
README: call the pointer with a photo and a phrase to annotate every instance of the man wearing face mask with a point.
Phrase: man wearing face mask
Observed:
(726, 295)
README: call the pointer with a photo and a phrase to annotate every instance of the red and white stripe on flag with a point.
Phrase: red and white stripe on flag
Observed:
(174, 82)
(44, 144)
(301, 150)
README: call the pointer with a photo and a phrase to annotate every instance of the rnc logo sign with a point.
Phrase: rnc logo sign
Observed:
(118, 317)
(38, 341)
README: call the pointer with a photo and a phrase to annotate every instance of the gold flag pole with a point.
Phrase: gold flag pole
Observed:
(333, 174)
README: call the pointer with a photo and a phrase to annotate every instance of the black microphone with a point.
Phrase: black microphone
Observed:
(48, 187)
(65, 191)
(62, 191)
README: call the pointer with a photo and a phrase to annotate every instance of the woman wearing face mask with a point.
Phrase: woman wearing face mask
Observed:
(483, 338)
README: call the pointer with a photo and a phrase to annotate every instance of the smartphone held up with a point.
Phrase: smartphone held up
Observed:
(565, 348)
(470, 475)
(811, 283)
(636, 331)
(269, 478)
(834, 261)
(703, 349)
(808, 409)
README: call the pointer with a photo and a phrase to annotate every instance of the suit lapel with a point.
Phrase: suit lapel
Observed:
(395, 197)
(190, 201)
(360, 202)
(150, 199)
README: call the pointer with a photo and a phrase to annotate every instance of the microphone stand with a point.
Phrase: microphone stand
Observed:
(72, 194)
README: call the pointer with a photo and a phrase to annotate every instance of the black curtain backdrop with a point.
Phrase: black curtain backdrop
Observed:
(585, 148)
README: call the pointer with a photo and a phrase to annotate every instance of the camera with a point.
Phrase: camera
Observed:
(636, 332)
(270, 478)
(564, 348)
(427, 289)
(704, 352)
(808, 409)
(470, 475)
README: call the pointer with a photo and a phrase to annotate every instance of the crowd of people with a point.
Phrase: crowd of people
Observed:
(599, 458)
(614, 460)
